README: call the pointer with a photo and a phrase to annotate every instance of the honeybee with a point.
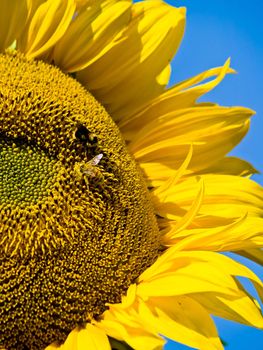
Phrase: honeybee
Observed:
(86, 170)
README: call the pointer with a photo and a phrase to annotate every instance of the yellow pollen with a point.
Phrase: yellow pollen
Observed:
(77, 226)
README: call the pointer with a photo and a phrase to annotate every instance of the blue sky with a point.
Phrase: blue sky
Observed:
(216, 30)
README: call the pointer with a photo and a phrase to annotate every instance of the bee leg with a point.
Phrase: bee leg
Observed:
(86, 182)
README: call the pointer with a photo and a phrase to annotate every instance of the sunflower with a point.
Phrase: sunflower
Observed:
(117, 197)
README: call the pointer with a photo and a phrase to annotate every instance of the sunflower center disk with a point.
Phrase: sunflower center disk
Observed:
(76, 224)
(26, 173)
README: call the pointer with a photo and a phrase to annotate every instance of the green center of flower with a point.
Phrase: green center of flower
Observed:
(77, 226)
(26, 173)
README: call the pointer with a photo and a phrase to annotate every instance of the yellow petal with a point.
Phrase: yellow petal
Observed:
(240, 309)
(230, 166)
(236, 269)
(90, 337)
(138, 58)
(33, 6)
(246, 233)
(80, 4)
(158, 173)
(187, 92)
(48, 24)
(13, 17)
(181, 319)
(166, 304)
(177, 227)
(177, 97)
(124, 326)
(226, 199)
(93, 338)
(177, 273)
(213, 131)
(89, 35)
(162, 191)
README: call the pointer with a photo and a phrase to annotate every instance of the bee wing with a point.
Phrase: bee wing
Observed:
(95, 160)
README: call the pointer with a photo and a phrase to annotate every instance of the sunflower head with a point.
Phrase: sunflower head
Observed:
(75, 211)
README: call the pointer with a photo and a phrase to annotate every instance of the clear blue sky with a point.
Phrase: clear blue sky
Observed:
(217, 29)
